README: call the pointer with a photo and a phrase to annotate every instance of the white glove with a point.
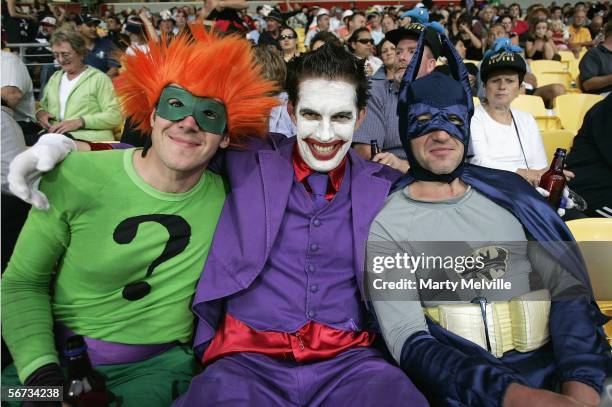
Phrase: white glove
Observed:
(26, 169)
(566, 202)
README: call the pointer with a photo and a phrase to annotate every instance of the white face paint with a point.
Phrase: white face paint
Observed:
(326, 114)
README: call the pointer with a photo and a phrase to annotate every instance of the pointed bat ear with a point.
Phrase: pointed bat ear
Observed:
(458, 70)
(415, 63)
(407, 79)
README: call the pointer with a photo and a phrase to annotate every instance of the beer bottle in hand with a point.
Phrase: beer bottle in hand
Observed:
(374, 149)
(553, 180)
(86, 387)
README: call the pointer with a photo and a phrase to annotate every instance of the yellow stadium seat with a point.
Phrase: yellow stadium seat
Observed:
(531, 104)
(573, 68)
(476, 101)
(571, 109)
(549, 78)
(535, 106)
(566, 58)
(554, 139)
(566, 55)
(591, 230)
(300, 39)
(598, 258)
(466, 61)
(544, 65)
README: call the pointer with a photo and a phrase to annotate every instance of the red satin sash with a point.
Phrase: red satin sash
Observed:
(310, 343)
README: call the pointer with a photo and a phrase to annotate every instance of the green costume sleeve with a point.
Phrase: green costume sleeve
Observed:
(27, 320)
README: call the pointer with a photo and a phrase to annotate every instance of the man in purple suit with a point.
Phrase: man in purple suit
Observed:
(282, 316)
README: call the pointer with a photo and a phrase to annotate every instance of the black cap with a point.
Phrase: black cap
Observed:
(275, 15)
(87, 19)
(503, 60)
(471, 68)
(134, 25)
(414, 30)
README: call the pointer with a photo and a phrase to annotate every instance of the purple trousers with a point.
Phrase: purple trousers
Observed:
(358, 377)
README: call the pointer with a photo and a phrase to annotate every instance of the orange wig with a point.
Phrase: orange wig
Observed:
(210, 66)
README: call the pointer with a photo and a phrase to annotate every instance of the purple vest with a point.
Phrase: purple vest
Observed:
(261, 179)
(309, 274)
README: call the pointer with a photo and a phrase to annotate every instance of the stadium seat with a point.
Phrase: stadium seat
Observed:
(573, 68)
(466, 61)
(300, 39)
(571, 109)
(596, 237)
(566, 55)
(535, 106)
(554, 139)
(549, 78)
(543, 66)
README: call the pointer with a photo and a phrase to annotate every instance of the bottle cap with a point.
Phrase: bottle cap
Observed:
(75, 345)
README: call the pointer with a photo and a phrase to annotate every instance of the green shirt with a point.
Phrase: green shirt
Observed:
(91, 194)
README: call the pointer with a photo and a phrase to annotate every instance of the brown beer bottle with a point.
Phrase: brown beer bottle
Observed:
(374, 149)
(553, 180)
(86, 387)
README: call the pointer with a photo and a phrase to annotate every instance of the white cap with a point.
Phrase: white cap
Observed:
(48, 21)
(347, 13)
(166, 15)
(265, 9)
(322, 11)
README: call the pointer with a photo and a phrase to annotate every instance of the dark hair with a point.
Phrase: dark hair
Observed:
(465, 19)
(516, 5)
(355, 14)
(286, 27)
(329, 62)
(500, 19)
(380, 46)
(327, 37)
(355, 36)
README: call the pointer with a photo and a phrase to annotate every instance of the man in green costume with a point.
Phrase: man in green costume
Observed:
(117, 257)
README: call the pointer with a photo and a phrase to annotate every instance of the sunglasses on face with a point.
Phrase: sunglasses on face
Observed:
(365, 41)
(287, 37)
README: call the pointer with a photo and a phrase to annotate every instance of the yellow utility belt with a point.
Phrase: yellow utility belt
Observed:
(520, 323)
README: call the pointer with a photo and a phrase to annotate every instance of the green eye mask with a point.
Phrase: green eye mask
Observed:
(175, 104)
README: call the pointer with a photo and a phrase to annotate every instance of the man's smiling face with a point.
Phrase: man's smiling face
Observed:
(326, 116)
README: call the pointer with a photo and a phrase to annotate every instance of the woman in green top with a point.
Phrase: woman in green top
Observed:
(78, 99)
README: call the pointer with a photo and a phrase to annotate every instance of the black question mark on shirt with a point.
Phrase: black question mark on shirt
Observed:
(179, 231)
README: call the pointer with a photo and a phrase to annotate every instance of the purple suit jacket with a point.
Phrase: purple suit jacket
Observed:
(260, 179)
